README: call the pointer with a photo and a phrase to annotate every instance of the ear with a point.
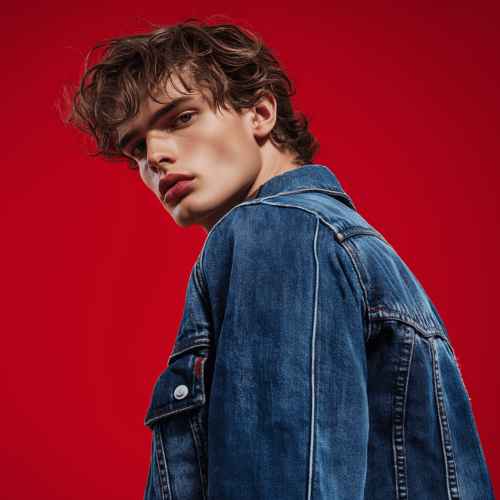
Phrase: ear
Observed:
(264, 116)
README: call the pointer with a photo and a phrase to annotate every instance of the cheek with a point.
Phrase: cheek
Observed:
(235, 152)
(224, 139)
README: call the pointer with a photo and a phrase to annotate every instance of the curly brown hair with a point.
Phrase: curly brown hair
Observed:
(232, 63)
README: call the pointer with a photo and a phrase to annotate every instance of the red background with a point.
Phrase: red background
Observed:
(404, 96)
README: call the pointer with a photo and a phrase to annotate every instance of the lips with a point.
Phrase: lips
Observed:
(173, 185)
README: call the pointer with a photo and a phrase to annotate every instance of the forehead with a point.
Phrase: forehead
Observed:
(174, 90)
(168, 93)
(165, 99)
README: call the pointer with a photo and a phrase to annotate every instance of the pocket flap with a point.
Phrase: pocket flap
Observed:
(179, 388)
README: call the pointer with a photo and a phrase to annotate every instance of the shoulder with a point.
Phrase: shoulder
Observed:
(255, 232)
(259, 217)
(285, 219)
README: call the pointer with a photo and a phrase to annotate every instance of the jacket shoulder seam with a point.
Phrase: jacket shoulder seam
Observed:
(306, 190)
(338, 234)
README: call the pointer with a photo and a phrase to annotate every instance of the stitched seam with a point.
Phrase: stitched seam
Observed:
(353, 227)
(201, 433)
(425, 328)
(303, 190)
(202, 437)
(202, 253)
(158, 466)
(313, 475)
(388, 309)
(366, 232)
(313, 356)
(191, 340)
(453, 474)
(200, 282)
(419, 328)
(433, 328)
(434, 362)
(297, 207)
(448, 455)
(422, 329)
(345, 247)
(202, 379)
(204, 445)
(173, 411)
(202, 343)
(362, 267)
(398, 416)
(394, 453)
(197, 453)
(163, 471)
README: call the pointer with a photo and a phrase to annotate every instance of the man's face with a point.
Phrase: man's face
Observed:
(207, 161)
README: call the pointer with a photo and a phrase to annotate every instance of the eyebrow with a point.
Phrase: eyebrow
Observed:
(164, 110)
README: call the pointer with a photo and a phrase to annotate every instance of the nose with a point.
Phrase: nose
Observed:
(159, 153)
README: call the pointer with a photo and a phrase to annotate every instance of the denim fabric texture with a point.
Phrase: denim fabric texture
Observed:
(310, 364)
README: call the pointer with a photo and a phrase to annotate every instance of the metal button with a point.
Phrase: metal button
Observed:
(181, 392)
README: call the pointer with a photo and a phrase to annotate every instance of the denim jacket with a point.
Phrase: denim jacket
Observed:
(310, 364)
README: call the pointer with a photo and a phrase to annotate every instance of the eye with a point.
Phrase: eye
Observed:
(185, 118)
(138, 149)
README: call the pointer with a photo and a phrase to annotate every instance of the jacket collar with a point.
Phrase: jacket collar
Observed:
(306, 178)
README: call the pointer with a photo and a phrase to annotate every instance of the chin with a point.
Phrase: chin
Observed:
(181, 218)
(184, 224)
(186, 221)
(185, 217)
(182, 221)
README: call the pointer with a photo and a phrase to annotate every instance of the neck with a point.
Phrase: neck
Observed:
(274, 163)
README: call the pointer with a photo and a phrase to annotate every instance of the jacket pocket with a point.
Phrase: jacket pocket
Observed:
(177, 416)
(181, 386)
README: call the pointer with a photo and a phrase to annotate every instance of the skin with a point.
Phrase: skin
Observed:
(229, 155)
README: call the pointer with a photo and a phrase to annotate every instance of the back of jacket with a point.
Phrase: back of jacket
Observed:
(310, 364)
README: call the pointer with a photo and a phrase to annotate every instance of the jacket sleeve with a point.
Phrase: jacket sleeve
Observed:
(178, 411)
(288, 411)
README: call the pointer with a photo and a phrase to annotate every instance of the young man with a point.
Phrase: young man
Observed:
(309, 362)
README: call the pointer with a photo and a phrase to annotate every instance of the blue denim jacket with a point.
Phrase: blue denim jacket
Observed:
(310, 364)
